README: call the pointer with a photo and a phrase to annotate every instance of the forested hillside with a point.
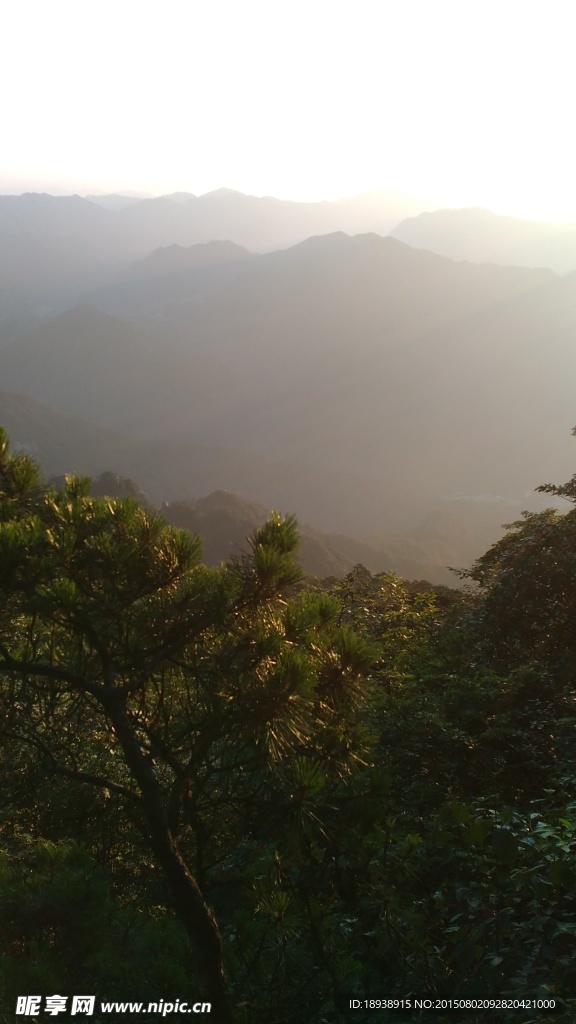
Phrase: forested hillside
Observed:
(273, 794)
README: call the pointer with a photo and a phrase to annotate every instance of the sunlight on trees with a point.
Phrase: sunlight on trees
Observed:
(299, 791)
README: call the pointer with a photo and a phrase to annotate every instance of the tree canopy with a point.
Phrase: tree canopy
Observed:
(273, 793)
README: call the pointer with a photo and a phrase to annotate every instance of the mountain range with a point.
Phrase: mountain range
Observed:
(353, 354)
(377, 389)
(53, 249)
(56, 249)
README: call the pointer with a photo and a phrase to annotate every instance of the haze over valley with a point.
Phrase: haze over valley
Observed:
(377, 387)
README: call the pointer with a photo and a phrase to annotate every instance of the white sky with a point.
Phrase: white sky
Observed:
(464, 102)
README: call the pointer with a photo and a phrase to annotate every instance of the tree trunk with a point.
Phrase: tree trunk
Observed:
(189, 904)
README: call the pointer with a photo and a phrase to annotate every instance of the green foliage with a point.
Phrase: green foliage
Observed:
(61, 929)
(171, 689)
(529, 595)
(373, 787)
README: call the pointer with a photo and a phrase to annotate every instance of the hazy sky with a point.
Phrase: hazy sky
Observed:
(464, 102)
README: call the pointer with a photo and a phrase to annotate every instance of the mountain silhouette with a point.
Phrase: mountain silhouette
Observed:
(484, 237)
(54, 249)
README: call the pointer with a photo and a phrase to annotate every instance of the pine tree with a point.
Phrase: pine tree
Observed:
(129, 666)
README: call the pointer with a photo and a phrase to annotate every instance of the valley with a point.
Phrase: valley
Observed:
(378, 391)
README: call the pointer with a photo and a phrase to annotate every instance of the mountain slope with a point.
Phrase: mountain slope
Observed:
(224, 521)
(168, 470)
(346, 354)
(358, 355)
(62, 444)
(87, 363)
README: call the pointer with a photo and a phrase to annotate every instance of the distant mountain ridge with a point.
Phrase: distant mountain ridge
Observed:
(53, 249)
(328, 355)
(178, 259)
(485, 237)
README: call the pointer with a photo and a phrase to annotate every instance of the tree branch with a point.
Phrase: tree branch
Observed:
(10, 665)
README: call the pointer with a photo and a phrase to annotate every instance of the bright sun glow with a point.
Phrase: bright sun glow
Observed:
(462, 103)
